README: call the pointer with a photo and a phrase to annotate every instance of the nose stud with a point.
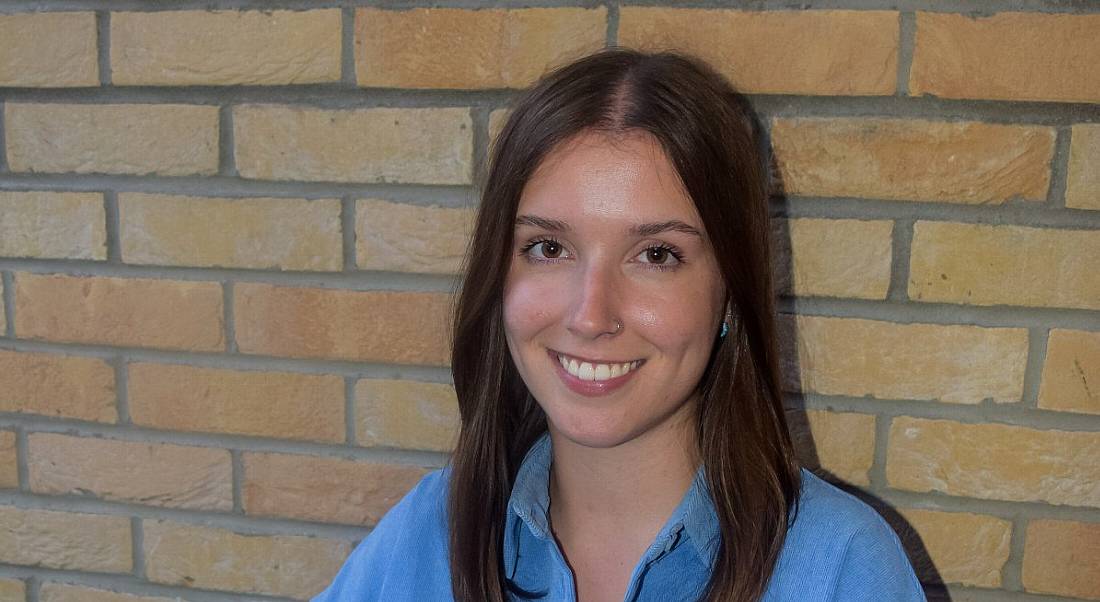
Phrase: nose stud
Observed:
(618, 326)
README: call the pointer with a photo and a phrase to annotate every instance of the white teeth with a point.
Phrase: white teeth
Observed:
(595, 372)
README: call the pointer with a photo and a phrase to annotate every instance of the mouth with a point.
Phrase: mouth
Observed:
(591, 377)
(592, 370)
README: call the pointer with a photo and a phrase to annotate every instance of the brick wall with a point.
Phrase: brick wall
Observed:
(228, 243)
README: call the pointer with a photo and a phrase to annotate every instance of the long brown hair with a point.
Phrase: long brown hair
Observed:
(709, 134)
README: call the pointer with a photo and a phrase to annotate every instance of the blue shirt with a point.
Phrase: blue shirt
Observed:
(837, 548)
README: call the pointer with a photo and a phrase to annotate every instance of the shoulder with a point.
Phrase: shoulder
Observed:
(823, 506)
(424, 505)
(843, 550)
(420, 517)
(408, 543)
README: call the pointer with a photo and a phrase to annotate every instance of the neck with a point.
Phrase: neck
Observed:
(629, 488)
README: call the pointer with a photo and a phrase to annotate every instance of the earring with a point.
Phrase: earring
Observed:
(726, 324)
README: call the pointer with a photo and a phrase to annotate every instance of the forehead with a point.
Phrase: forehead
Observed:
(595, 176)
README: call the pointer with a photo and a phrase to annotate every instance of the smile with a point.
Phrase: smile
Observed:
(595, 371)
(590, 377)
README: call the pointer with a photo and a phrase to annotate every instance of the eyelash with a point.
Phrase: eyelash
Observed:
(671, 250)
(525, 251)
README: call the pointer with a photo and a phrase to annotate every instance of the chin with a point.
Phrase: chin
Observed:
(594, 440)
(592, 433)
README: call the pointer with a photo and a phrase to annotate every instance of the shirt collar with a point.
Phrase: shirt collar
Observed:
(530, 499)
(530, 503)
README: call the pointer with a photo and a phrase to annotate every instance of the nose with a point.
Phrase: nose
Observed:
(594, 307)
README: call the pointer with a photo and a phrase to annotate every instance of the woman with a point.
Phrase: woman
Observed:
(623, 436)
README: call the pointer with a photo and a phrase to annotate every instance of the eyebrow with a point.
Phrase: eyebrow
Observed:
(673, 225)
(541, 222)
(649, 229)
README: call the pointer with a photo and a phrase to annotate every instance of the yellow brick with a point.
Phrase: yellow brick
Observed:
(954, 364)
(965, 548)
(324, 489)
(262, 233)
(460, 48)
(421, 146)
(405, 414)
(173, 476)
(1071, 372)
(12, 590)
(913, 160)
(57, 385)
(59, 592)
(138, 312)
(52, 225)
(262, 404)
(401, 237)
(9, 470)
(163, 139)
(994, 461)
(65, 540)
(48, 50)
(832, 257)
(371, 326)
(209, 558)
(185, 48)
(1060, 557)
(1007, 56)
(841, 444)
(976, 264)
(1083, 180)
(851, 53)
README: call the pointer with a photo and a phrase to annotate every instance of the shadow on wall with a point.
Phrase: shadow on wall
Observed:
(798, 419)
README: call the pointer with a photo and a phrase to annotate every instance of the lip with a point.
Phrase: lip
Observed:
(589, 388)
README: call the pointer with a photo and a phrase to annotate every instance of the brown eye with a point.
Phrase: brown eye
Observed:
(657, 254)
(661, 257)
(545, 250)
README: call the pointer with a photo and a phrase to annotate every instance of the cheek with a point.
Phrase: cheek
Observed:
(677, 320)
(677, 328)
(529, 306)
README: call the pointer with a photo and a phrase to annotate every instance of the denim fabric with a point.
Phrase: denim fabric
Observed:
(837, 548)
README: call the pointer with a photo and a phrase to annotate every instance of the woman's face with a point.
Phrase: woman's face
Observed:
(612, 275)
